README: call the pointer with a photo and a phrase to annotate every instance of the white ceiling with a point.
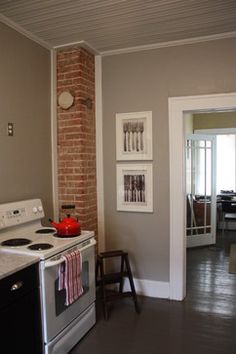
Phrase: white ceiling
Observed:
(108, 25)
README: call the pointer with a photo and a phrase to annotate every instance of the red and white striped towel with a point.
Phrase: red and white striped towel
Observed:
(70, 276)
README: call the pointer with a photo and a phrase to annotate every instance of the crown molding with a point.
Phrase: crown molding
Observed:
(169, 44)
(82, 44)
(24, 32)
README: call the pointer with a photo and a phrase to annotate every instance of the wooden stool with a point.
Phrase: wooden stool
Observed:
(113, 278)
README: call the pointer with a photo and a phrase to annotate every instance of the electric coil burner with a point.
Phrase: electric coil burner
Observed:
(40, 246)
(15, 242)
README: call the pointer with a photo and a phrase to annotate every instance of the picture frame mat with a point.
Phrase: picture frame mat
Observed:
(135, 170)
(130, 137)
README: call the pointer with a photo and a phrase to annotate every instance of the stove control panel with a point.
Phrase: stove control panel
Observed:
(17, 213)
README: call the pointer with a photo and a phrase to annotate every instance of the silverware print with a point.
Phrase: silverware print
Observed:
(134, 188)
(133, 136)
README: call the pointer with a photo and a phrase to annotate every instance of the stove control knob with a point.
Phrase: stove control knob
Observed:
(40, 209)
(35, 210)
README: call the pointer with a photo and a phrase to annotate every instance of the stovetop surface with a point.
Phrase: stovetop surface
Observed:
(59, 244)
(23, 219)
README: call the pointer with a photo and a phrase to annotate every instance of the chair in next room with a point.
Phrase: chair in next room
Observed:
(228, 214)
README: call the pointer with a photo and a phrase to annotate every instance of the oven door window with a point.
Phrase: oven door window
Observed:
(60, 295)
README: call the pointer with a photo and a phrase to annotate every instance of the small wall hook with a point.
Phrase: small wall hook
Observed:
(87, 102)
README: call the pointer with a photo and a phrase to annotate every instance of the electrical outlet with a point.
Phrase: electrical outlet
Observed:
(10, 130)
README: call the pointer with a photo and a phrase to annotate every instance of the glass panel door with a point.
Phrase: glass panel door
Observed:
(200, 190)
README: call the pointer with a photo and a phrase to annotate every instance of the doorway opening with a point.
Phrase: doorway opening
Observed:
(178, 106)
(210, 174)
(210, 192)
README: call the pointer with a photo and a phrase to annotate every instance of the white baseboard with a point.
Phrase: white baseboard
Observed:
(150, 288)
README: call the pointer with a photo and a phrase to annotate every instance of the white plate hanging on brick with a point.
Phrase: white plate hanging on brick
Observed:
(65, 100)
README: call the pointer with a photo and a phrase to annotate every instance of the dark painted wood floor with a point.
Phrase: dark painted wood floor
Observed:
(204, 323)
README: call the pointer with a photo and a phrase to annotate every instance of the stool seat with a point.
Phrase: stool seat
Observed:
(115, 277)
(112, 254)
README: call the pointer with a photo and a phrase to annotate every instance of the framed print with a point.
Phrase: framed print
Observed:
(134, 136)
(134, 187)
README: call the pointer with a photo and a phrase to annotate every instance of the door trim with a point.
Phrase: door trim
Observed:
(177, 107)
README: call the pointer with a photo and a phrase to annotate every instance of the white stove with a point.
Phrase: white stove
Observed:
(22, 221)
(62, 326)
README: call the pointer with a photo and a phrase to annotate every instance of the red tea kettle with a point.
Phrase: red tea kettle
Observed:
(68, 227)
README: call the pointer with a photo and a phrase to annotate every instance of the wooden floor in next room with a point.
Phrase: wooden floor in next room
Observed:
(204, 323)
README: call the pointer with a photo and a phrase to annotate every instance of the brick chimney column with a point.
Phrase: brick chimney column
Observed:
(77, 136)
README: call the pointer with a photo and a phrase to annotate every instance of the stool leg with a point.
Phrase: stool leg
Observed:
(130, 276)
(96, 271)
(103, 290)
(121, 278)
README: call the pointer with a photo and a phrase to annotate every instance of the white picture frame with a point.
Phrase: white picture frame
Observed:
(134, 187)
(134, 136)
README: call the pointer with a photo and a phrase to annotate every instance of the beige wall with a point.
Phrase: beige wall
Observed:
(214, 120)
(144, 81)
(25, 158)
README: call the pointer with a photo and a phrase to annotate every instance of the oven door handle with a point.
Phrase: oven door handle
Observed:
(49, 264)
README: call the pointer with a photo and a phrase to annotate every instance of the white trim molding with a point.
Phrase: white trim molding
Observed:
(216, 131)
(99, 153)
(179, 42)
(81, 44)
(150, 288)
(178, 106)
(54, 134)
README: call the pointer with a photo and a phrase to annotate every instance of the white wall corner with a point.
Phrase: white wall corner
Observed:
(99, 153)
(54, 134)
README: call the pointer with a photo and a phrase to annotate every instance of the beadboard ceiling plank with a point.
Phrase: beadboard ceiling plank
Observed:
(113, 24)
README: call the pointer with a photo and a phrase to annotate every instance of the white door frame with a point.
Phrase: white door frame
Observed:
(177, 107)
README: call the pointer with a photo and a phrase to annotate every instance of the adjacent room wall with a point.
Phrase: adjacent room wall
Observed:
(144, 81)
(214, 120)
(25, 158)
(188, 123)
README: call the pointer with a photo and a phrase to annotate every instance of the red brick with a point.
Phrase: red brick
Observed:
(76, 135)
